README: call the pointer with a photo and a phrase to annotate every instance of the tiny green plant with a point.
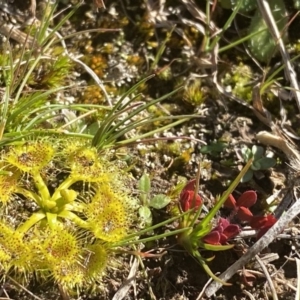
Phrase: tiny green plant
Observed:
(260, 161)
(214, 148)
(158, 201)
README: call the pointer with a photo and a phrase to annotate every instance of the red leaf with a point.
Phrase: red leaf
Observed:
(244, 214)
(247, 199)
(190, 186)
(271, 220)
(230, 202)
(221, 233)
(212, 238)
(223, 223)
(223, 239)
(260, 222)
(187, 199)
(231, 231)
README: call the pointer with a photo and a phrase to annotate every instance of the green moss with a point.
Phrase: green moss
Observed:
(194, 94)
(239, 79)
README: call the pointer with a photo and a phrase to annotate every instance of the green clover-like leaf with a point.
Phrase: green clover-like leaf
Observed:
(256, 166)
(248, 176)
(266, 163)
(257, 152)
(247, 153)
(145, 215)
(159, 201)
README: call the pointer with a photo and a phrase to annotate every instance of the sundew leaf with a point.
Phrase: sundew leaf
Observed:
(207, 219)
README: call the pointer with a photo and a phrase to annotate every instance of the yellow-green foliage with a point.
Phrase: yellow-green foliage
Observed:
(8, 183)
(14, 252)
(109, 213)
(71, 234)
(53, 72)
(240, 80)
(30, 157)
(194, 94)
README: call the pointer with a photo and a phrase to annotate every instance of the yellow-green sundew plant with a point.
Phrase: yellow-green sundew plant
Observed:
(80, 204)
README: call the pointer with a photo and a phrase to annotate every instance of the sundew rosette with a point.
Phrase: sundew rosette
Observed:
(79, 214)
(110, 214)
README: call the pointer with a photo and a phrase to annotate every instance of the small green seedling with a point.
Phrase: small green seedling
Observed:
(260, 162)
(214, 148)
(158, 201)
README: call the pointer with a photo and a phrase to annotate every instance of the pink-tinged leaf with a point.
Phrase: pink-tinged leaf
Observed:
(212, 238)
(223, 239)
(231, 231)
(247, 199)
(230, 202)
(223, 223)
(244, 214)
(262, 224)
(221, 233)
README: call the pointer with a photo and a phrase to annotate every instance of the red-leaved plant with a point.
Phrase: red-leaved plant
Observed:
(241, 207)
(262, 224)
(221, 233)
(188, 199)
(200, 233)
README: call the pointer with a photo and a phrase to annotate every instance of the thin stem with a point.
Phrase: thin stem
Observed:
(29, 194)
(74, 218)
(152, 238)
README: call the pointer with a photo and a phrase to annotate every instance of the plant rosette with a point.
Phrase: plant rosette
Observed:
(78, 213)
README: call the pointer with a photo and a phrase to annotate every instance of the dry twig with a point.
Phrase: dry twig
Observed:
(289, 70)
(269, 279)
